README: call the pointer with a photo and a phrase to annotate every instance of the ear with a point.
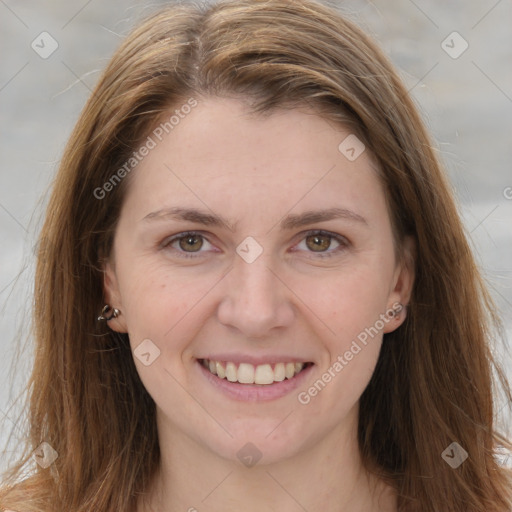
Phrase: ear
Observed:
(113, 297)
(403, 281)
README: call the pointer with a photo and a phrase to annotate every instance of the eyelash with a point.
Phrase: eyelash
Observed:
(338, 238)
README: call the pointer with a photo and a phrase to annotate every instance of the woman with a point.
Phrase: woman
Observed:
(256, 292)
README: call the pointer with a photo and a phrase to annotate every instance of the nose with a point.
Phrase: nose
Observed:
(255, 301)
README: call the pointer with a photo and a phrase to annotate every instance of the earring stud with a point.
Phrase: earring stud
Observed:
(107, 313)
(398, 311)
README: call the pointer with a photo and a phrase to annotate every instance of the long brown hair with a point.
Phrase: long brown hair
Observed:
(433, 384)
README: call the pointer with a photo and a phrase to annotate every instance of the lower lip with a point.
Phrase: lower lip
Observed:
(255, 392)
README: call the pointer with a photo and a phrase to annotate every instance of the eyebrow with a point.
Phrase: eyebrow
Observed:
(289, 222)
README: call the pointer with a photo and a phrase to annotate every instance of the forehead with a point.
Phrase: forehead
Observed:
(223, 155)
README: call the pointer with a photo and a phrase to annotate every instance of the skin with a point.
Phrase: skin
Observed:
(253, 171)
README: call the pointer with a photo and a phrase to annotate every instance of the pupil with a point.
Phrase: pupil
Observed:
(188, 243)
(320, 242)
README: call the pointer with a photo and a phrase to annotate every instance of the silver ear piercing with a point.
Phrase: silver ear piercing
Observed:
(107, 313)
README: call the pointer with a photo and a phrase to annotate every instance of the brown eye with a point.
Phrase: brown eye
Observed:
(188, 244)
(318, 243)
(322, 244)
(191, 243)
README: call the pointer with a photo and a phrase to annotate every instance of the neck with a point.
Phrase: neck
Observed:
(326, 475)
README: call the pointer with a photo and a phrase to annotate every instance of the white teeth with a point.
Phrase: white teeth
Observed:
(279, 373)
(246, 373)
(289, 370)
(264, 374)
(221, 372)
(231, 373)
(249, 374)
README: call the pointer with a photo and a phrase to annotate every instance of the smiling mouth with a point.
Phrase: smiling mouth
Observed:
(245, 373)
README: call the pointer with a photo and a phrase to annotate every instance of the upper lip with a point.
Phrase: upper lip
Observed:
(255, 360)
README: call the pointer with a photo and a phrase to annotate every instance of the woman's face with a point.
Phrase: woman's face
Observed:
(255, 242)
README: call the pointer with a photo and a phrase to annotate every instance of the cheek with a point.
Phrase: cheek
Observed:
(167, 307)
(346, 301)
(151, 305)
(350, 305)
(155, 295)
(351, 352)
(160, 322)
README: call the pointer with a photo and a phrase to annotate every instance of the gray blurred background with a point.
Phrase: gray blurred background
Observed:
(465, 95)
